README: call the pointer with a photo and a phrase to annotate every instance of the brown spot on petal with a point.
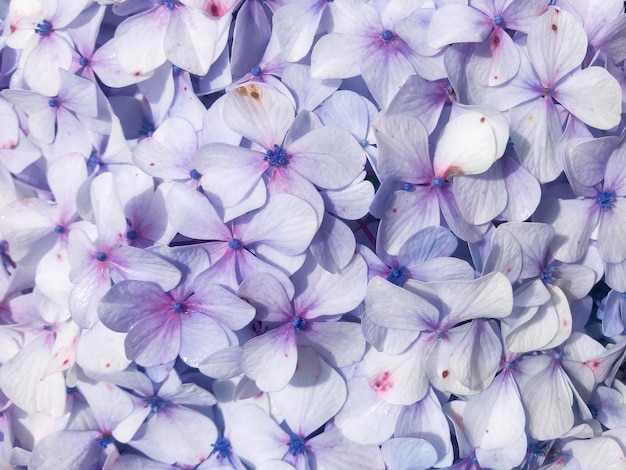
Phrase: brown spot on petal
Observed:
(496, 41)
(482, 119)
(252, 89)
(445, 374)
(554, 28)
(453, 171)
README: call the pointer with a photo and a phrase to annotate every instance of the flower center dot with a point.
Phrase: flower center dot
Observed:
(398, 276)
(298, 323)
(276, 156)
(437, 182)
(498, 21)
(195, 174)
(296, 445)
(44, 28)
(101, 256)
(131, 234)
(606, 199)
(549, 274)
(83, 61)
(53, 103)
(59, 229)
(178, 307)
(222, 447)
(386, 35)
(256, 71)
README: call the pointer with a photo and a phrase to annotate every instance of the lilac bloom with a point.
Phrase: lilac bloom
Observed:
(600, 209)
(174, 30)
(93, 263)
(45, 44)
(307, 319)
(610, 405)
(404, 162)
(169, 153)
(364, 39)
(426, 256)
(64, 117)
(165, 325)
(454, 356)
(549, 70)
(33, 378)
(257, 438)
(541, 318)
(485, 22)
(292, 165)
(272, 239)
(85, 444)
(164, 424)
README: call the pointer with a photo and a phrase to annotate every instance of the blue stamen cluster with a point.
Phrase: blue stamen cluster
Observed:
(398, 276)
(105, 440)
(170, 4)
(156, 404)
(44, 28)
(53, 103)
(298, 323)
(83, 61)
(256, 71)
(101, 256)
(437, 182)
(498, 21)
(606, 199)
(276, 156)
(178, 307)
(296, 444)
(59, 229)
(132, 234)
(548, 275)
(386, 35)
(222, 446)
(234, 244)
(195, 174)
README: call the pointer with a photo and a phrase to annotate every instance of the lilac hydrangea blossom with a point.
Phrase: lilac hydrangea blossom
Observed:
(236, 172)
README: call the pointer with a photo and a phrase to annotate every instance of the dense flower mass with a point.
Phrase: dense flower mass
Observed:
(312, 234)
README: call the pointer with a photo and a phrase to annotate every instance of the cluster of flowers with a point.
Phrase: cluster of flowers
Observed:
(312, 234)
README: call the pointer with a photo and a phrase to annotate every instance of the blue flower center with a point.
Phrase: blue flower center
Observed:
(44, 28)
(105, 440)
(276, 156)
(256, 71)
(560, 355)
(364, 143)
(59, 229)
(147, 127)
(156, 404)
(132, 234)
(195, 174)
(548, 275)
(298, 323)
(234, 244)
(606, 199)
(53, 103)
(101, 256)
(178, 307)
(70, 390)
(398, 276)
(175, 68)
(407, 186)
(386, 35)
(83, 61)
(222, 447)
(437, 182)
(170, 4)
(440, 334)
(498, 21)
(93, 160)
(474, 460)
(296, 445)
